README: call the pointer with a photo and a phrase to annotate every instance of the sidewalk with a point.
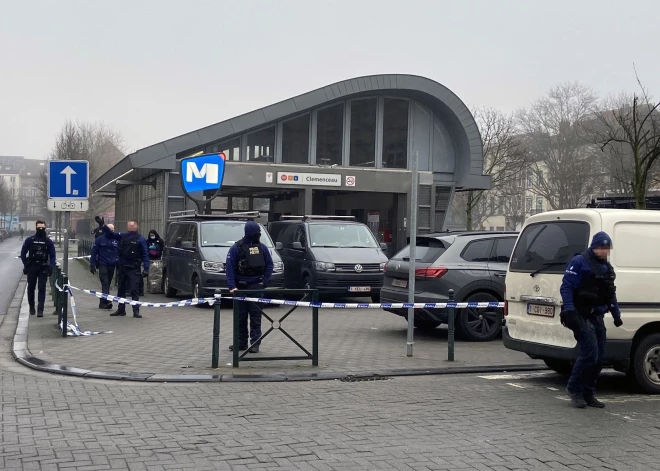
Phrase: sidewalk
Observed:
(175, 341)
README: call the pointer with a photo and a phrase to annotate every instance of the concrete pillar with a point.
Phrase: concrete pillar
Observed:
(305, 201)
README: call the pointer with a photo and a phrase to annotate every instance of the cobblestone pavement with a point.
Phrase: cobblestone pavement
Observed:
(494, 422)
(178, 340)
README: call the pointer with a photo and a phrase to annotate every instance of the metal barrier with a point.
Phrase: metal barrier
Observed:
(84, 247)
(276, 325)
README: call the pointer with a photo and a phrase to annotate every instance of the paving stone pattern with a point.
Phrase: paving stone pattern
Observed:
(178, 340)
(422, 423)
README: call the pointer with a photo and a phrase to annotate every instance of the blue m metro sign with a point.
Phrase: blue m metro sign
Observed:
(203, 172)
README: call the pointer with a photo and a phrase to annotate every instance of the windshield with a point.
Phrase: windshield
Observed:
(338, 235)
(549, 246)
(225, 233)
(427, 250)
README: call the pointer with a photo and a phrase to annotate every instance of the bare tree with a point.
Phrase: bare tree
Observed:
(563, 159)
(628, 132)
(504, 161)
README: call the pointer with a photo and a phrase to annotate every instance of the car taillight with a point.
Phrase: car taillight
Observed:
(430, 272)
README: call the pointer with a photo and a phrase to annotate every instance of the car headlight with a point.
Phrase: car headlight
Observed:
(278, 267)
(216, 267)
(324, 266)
(382, 266)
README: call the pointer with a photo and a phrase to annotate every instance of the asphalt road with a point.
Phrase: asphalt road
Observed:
(11, 270)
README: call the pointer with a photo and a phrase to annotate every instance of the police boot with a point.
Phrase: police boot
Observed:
(577, 400)
(137, 315)
(118, 313)
(591, 401)
(32, 311)
(40, 314)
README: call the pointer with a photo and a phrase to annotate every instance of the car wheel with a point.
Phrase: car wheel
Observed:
(563, 367)
(646, 364)
(480, 325)
(167, 289)
(195, 291)
(426, 325)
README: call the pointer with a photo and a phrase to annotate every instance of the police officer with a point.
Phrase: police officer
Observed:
(249, 266)
(588, 292)
(104, 258)
(131, 253)
(38, 256)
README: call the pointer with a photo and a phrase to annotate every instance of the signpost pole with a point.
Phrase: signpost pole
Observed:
(412, 254)
(65, 267)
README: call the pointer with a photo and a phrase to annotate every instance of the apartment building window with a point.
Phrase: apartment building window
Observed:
(530, 181)
(12, 179)
(539, 203)
(528, 200)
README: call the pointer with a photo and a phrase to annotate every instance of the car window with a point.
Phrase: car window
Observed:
(503, 250)
(427, 250)
(191, 236)
(300, 236)
(177, 235)
(286, 236)
(477, 251)
(226, 233)
(549, 245)
(341, 236)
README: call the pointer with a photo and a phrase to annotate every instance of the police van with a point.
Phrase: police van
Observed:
(545, 245)
(196, 247)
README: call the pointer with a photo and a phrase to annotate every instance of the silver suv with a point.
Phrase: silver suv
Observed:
(473, 264)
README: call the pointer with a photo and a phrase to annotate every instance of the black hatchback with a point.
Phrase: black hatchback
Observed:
(473, 264)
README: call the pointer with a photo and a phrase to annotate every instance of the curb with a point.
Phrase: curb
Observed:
(22, 355)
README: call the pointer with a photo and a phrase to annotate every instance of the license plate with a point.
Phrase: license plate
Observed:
(541, 310)
(400, 283)
(359, 289)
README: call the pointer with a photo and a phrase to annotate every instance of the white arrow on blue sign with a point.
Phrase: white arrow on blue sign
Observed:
(68, 179)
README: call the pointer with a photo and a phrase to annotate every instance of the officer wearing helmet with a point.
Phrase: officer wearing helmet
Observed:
(249, 267)
(588, 292)
(38, 256)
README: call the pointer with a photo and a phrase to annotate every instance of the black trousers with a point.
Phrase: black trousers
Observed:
(106, 272)
(129, 284)
(249, 310)
(36, 278)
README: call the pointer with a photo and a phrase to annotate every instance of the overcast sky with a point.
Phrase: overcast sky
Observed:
(159, 68)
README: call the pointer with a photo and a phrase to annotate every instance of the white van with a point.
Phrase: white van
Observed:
(544, 247)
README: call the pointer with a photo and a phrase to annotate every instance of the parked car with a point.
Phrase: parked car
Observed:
(546, 244)
(4, 234)
(335, 254)
(196, 249)
(473, 264)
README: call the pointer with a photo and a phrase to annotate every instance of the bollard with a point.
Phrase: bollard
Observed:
(65, 303)
(216, 331)
(235, 355)
(315, 330)
(451, 314)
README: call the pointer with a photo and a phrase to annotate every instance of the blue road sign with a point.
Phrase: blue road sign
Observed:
(201, 173)
(68, 179)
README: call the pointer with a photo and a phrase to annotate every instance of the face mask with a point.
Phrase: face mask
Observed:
(152, 237)
(41, 231)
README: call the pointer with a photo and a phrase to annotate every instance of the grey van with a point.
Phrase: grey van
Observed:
(196, 249)
(334, 254)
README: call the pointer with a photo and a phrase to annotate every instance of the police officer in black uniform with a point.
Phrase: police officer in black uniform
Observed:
(38, 256)
(131, 254)
(588, 292)
(249, 266)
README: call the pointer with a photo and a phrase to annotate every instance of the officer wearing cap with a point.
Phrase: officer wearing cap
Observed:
(104, 258)
(249, 266)
(38, 256)
(588, 292)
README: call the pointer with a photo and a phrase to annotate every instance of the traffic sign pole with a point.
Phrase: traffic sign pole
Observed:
(65, 267)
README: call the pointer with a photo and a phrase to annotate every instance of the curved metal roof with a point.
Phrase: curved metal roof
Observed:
(453, 112)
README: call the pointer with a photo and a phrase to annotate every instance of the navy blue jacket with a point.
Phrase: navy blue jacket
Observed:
(141, 240)
(49, 244)
(231, 267)
(576, 270)
(104, 251)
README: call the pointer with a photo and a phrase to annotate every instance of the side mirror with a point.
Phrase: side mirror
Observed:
(297, 246)
(187, 245)
(383, 246)
(278, 246)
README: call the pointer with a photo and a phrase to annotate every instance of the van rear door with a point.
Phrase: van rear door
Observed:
(535, 274)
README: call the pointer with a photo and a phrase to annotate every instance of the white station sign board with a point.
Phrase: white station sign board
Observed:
(316, 179)
(67, 205)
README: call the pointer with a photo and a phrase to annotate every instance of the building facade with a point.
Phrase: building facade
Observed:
(344, 149)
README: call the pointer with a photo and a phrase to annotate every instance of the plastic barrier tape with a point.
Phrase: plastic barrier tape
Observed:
(116, 299)
(369, 305)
